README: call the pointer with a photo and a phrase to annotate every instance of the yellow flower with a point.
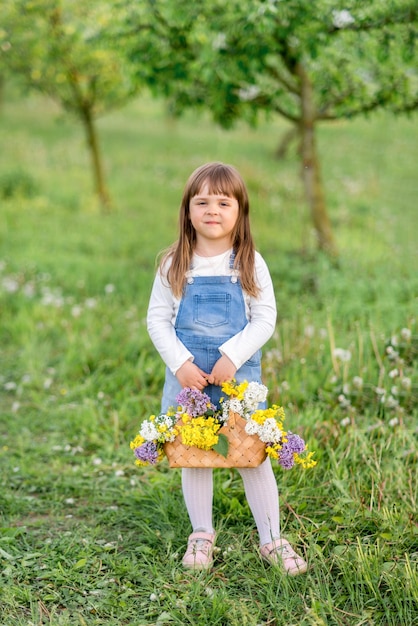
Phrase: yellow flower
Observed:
(233, 390)
(274, 412)
(137, 442)
(200, 432)
(273, 450)
(306, 462)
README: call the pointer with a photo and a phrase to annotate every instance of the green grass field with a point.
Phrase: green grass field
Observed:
(86, 537)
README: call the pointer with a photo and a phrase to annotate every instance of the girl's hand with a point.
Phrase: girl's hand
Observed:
(189, 375)
(223, 370)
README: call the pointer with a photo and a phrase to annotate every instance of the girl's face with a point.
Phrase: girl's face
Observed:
(214, 218)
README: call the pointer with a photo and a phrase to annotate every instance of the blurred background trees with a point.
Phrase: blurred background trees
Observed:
(307, 62)
(61, 49)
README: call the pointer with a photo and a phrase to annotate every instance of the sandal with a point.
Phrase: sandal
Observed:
(199, 553)
(293, 564)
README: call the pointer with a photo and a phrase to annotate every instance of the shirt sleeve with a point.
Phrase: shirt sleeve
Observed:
(160, 324)
(261, 322)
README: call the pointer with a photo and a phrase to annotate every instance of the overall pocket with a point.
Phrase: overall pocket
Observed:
(211, 310)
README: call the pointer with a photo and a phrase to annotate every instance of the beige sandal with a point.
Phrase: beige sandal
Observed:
(293, 564)
(199, 553)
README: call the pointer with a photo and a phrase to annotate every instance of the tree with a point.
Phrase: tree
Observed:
(59, 48)
(308, 62)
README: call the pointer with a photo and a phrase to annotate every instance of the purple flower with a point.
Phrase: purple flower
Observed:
(286, 460)
(194, 402)
(147, 453)
(293, 445)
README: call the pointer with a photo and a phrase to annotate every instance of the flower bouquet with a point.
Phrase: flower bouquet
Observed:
(196, 434)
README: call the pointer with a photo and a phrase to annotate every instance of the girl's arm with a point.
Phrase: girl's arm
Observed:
(261, 323)
(160, 325)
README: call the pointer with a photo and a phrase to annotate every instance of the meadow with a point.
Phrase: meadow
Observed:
(86, 537)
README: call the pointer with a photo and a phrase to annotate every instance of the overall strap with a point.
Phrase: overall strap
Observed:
(234, 275)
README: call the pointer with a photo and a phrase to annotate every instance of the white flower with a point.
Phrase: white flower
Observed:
(357, 382)
(149, 431)
(253, 395)
(90, 303)
(10, 284)
(233, 405)
(309, 331)
(251, 427)
(394, 421)
(392, 354)
(344, 402)
(342, 355)
(394, 390)
(393, 373)
(267, 432)
(343, 18)
(345, 421)
(406, 383)
(10, 386)
(76, 311)
(29, 290)
(109, 288)
(406, 334)
(391, 402)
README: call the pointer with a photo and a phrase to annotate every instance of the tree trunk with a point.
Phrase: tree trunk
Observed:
(286, 140)
(93, 146)
(311, 170)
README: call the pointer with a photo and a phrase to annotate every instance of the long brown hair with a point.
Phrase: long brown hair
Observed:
(220, 179)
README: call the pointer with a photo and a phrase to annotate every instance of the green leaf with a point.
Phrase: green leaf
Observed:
(222, 446)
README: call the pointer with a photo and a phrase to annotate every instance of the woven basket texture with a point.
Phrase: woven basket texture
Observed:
(244, 450)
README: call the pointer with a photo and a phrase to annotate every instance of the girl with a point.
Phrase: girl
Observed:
(212, 308)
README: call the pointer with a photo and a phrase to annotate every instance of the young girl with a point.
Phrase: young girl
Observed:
(212, 308)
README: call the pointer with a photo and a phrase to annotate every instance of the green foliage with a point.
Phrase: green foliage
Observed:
(86, 537)
(244, 58)
(17, 182)
(59, 48)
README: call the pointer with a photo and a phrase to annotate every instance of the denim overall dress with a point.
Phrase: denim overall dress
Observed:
(211, 311)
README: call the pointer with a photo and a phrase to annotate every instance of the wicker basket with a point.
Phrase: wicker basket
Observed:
(244, 450)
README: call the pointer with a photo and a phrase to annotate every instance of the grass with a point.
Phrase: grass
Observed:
(88, 538)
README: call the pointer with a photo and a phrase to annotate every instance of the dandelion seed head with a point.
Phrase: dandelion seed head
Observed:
(406, 383)
(357, 382)
(406, 334)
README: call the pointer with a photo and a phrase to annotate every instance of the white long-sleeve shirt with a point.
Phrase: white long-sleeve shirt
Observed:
(260, 313)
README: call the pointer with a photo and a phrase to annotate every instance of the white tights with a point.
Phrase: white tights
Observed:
(260, 489)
